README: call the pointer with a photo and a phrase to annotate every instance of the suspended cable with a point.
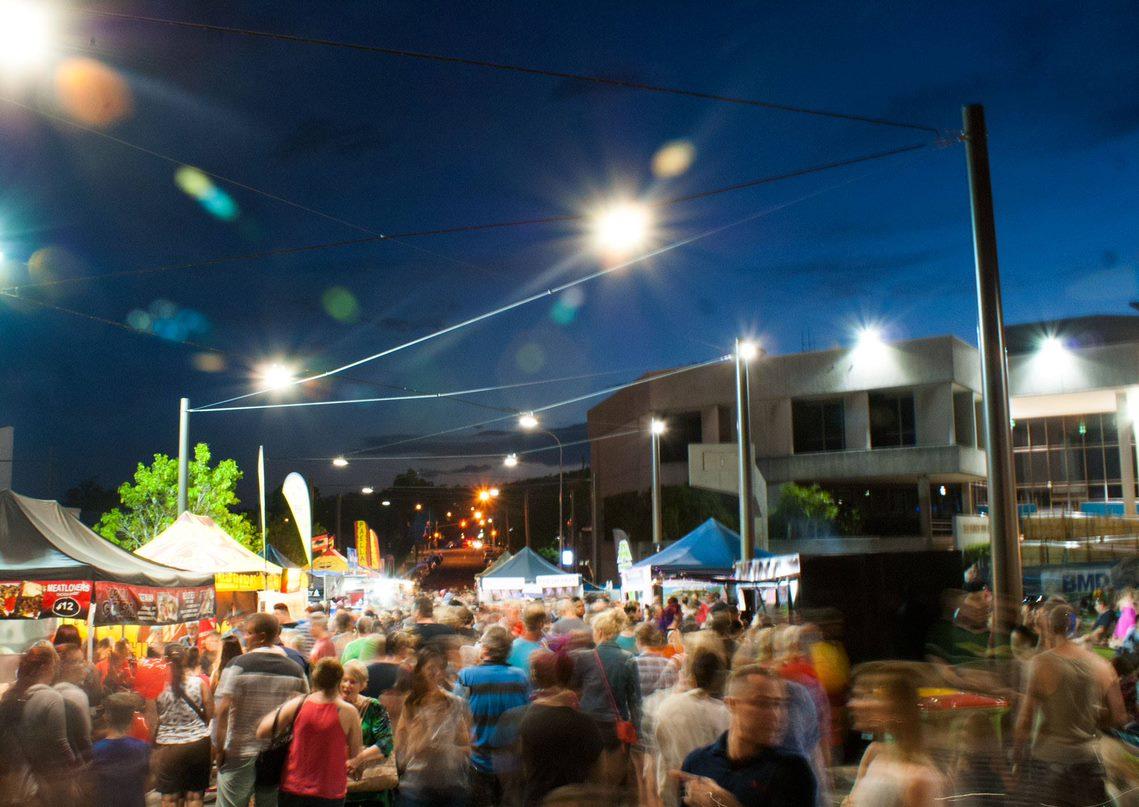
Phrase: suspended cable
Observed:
(541, 295)
(511, 68)
(411, 397)
(546, 408)
(471, 228)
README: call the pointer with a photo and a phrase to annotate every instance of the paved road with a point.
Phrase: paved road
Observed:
(457, 570)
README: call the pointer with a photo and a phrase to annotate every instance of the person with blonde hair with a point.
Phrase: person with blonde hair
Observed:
(376, 732)
(608, 680)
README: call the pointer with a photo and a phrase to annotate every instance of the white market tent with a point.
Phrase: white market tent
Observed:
(198, 544)
(527, 574)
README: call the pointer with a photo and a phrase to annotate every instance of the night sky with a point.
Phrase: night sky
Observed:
(397, 145)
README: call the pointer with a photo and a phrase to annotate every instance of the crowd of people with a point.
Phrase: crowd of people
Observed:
(449, 701)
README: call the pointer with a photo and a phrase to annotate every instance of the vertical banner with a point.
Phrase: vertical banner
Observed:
(362, 549)
(295, 491)
(374, 551)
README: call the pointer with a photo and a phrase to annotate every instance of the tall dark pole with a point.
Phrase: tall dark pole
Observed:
(526, 515)
(1008, 584)
(656, 427)
(743, 455)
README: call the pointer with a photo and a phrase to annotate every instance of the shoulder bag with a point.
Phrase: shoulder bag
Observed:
(270, 763)
(626, 731)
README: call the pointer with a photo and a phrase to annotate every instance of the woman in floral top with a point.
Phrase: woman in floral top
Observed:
(378, 740)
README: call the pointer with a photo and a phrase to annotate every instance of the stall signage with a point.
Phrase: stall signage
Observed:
(1074, 580)
(40, 599)
(122, 604)
(363, 546)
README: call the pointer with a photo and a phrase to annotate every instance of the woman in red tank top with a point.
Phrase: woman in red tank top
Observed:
(326, 734)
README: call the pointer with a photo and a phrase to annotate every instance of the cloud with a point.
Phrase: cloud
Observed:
(317, 134)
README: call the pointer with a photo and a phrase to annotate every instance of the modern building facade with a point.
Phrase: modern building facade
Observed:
(892, 431)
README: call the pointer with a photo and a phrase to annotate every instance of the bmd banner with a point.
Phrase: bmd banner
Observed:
(1076, 579)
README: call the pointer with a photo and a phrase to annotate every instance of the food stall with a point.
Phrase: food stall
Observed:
(245, 582)
(53, 567)
(694, 564)
(527, 575)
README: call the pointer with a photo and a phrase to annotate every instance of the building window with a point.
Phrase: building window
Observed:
(683, 429)
(1062, 461)
(892, 420)
(818, 426)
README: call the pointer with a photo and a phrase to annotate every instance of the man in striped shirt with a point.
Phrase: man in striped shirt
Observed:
(654, 670)
(492, 688)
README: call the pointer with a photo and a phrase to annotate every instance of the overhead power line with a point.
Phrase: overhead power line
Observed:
(522, 69)
(411, 397)
(472, 228)
(546, 408)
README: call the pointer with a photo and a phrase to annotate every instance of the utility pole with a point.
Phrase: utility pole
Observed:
(526, 515)
(743, 450)
(183, 454)
(1008, 582)
(656, 428)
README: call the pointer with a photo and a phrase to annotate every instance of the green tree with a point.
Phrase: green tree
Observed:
(150, 504)
(803, 511)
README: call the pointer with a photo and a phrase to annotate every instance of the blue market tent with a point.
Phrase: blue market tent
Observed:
(710, 549)
(526, 564)
(276, 557)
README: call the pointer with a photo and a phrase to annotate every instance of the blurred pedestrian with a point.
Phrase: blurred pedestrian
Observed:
(120, 763)
(376, 734)
(326, 734)
(180, 717)
(252, 685)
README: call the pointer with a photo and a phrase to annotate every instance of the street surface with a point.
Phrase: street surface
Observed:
(457, 570)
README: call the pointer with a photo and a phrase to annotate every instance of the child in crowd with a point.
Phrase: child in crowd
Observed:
(119, 762)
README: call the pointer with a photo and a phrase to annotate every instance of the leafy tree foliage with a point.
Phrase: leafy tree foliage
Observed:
(803, 511)
(149, 505)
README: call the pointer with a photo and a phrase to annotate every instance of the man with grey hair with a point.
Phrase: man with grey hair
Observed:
(492, 688)
(569, 621)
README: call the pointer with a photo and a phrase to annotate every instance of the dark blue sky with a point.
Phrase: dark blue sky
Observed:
(399, 145)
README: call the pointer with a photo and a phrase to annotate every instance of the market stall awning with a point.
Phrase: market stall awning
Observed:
(526, 565)
(198, 544)
(709, 549)
(39, 540)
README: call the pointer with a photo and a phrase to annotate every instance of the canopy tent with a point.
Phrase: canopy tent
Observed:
(276, 556)
(329, 562)
(54, 566)
(708, 551)
(501, 559)
(528, 574)
(198, 544)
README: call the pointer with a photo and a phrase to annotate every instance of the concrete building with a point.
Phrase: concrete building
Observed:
(893, 431)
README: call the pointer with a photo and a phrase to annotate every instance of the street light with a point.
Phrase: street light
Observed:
(529, 422)
(621, 228)
(418, 506)
(367, 491)
(484, 495)
(658, 427)
(276, 376)
(340, 462)
(386, 503)
(25, 33)
(494, 493)
(511, 461)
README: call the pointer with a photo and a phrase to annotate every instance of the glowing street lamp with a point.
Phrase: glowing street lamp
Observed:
(658, 427)
(418, 506)
(367, 491)
(494, 492)
(25, 33)
(1053, 349)
(386, 503)
(511, 461)
(484, 496)
(340, 462)
(277, 376)
(528, 420)
(747, 349)
(620, 229)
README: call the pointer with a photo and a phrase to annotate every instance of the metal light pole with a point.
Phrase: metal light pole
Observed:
(656, 427)
(1008, 583)
(744, 352)
(183, 454)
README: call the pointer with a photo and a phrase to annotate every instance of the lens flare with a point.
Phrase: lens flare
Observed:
(530, 358)
(208, 362)
(341, 304)
(215, 201)
(673, 159)
(92, 93)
